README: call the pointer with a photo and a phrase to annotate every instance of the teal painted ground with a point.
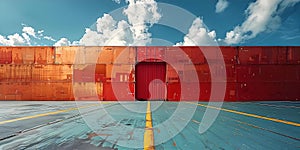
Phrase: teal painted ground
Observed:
(121, 126)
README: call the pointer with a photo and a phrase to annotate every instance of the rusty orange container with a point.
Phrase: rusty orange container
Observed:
(44, 55)
(5, 55)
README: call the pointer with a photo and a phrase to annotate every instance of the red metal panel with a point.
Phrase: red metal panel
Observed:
(292, 91)
(246, 73)
(147, 85)
(292, 72)
(293, 55)
(174, 56)
(114, 92)
(124, 55)
(261, 91)
(173, 91)
(217, 54)
(172, 76)
(258, 55)
(282, 55)
(150, 54)
(265, 73)
(272, 73)
(5, 55)
(204, 72)
(194, 53)
(229, 54)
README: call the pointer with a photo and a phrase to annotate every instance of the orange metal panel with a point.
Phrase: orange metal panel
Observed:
(106, 55)
(124, 55)
(28, 55)
(17, 55)
(44, 55)
(91, 54)
(5, 55)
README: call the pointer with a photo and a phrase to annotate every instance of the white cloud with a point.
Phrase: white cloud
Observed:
(117, 1)
(29, 31)
(198, 35)
(141, 14)
(62, 42)
(27, 37)
(262, 16)
(221, 5)
(109, 32)
(49, 38)
(12, 40)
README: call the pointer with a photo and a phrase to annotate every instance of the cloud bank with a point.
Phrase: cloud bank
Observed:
(262, 16)
(198, 35)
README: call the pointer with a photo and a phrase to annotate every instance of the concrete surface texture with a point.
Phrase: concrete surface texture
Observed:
(148, 125)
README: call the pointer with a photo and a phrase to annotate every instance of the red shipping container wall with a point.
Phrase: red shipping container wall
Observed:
(260, 91)
(217, 54)
(47, 73)
(5, 55)
(261, 55)
(122, 89)
(292, 90)
(154, 54)
(194, 53)
(124, 55)
(293, 55)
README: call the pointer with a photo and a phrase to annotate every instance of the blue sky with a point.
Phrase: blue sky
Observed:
(64, 22)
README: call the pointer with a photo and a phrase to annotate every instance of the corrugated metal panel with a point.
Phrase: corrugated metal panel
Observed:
(28, 55)
(106, 55)
(118, 91)
(259, 91)
(151, 54)
(292, 90)
(17, 55)
(124, 55)
(173, 91)
(5, 55)
(172, 76)
(194, 53)
(51, 72)
(174, 55)
(258, 55)
(44, 55)
(91, 54)
(282, 55)
(293, 55)
(147, 85)
(34, 77)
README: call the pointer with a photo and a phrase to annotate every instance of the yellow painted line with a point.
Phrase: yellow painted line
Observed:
(148, 135)
(249, 115)
(46, 114)
(196, 121)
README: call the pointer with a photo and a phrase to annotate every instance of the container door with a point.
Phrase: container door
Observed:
(150, 81)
